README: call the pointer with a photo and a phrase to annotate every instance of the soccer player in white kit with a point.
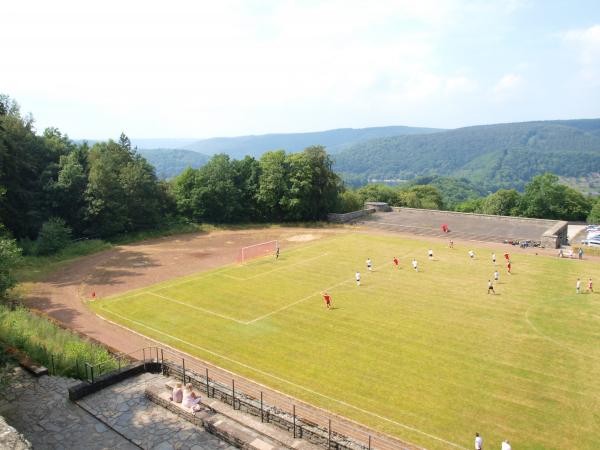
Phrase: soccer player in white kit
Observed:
(369, 264)
(494, 258)
(415, 265)
(471, 254)
(430, 254)
(578, 286)
(357, 276)
(478, 442)
(496, 275)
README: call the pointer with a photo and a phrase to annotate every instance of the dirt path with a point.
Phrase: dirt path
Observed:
(134, 266)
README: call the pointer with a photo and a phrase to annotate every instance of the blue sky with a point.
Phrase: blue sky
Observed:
(182, 69)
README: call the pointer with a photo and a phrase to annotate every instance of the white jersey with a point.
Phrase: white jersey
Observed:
(578, 285)
(369, 263)
(414, 263)
(430, 253)
(357, 276)
(471, 254)
(478, 443)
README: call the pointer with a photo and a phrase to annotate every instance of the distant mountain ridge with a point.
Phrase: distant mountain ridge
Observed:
(170, 162)
(500, 155)
(335, 140)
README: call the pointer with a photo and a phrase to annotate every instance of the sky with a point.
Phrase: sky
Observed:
(198, 69)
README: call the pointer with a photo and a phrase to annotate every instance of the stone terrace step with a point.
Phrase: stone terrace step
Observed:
(235, 427)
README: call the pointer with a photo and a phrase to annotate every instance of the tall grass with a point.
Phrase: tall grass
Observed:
(47, 344)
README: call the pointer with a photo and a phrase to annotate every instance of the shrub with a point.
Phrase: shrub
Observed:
(53, 236)
(10, 255)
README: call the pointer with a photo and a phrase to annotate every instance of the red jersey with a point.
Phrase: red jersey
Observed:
(396, 261)
(327, 298)
(589, 285)
(506, 256)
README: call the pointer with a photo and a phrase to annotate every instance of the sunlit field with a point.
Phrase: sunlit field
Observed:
(430, 350)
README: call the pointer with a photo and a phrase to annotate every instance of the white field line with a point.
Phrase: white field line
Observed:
(207, 311)
(283, 308)
(275, 377)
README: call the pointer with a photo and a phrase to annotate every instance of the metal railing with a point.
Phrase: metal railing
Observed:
(301, 419)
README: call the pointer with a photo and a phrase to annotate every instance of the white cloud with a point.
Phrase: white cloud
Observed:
(508, 82)
(587, 46)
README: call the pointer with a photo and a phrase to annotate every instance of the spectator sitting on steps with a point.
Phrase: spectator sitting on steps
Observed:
(177, 395)
(190, 399)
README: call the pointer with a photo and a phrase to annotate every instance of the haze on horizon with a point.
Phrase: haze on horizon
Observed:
(186, 69)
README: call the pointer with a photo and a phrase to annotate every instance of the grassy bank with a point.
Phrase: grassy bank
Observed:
(48, 344)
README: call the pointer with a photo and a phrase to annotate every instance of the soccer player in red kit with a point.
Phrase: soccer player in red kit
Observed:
(508, 266)
(396, 262)
(327, 300)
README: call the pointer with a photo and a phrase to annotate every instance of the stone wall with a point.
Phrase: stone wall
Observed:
(349, 217)
(556, 235)
(11, 438)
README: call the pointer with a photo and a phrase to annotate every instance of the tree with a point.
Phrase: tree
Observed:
(348, 201)
(378, 193)
(545, 198)
(426, 197)
(106, 212)
(10, 255)
(53, 236)
(594, 216)
(185, 191)
(273, 185)
(218, 197)
(503, 202)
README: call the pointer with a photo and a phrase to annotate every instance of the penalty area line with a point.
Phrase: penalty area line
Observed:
(275, 377)
(207, 311)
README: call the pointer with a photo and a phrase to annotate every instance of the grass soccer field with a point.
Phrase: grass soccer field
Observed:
(428, 350)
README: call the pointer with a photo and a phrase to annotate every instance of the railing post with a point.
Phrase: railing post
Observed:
(119, 360)
(294, 414)
(144, 357)
(233, 393)
(162, 361)
(369, 442)
(207, 385)
(156, 354)
(329, 435)
(183, 361)
(262, 417)
(92, 372)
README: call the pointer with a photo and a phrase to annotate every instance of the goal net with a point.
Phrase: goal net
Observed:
(256, 251)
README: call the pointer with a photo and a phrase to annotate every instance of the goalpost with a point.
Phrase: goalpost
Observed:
(256, 251)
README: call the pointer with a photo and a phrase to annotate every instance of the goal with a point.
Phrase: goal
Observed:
(256, 251)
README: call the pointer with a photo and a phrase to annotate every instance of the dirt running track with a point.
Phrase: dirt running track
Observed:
(138, 265)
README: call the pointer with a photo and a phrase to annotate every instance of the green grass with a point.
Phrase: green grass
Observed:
(430, 350)
(61, 351)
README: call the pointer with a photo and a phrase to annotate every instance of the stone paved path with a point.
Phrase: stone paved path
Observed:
(39, 408)
(124, 407)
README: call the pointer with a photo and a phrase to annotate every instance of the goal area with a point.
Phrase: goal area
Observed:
(256, 251)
